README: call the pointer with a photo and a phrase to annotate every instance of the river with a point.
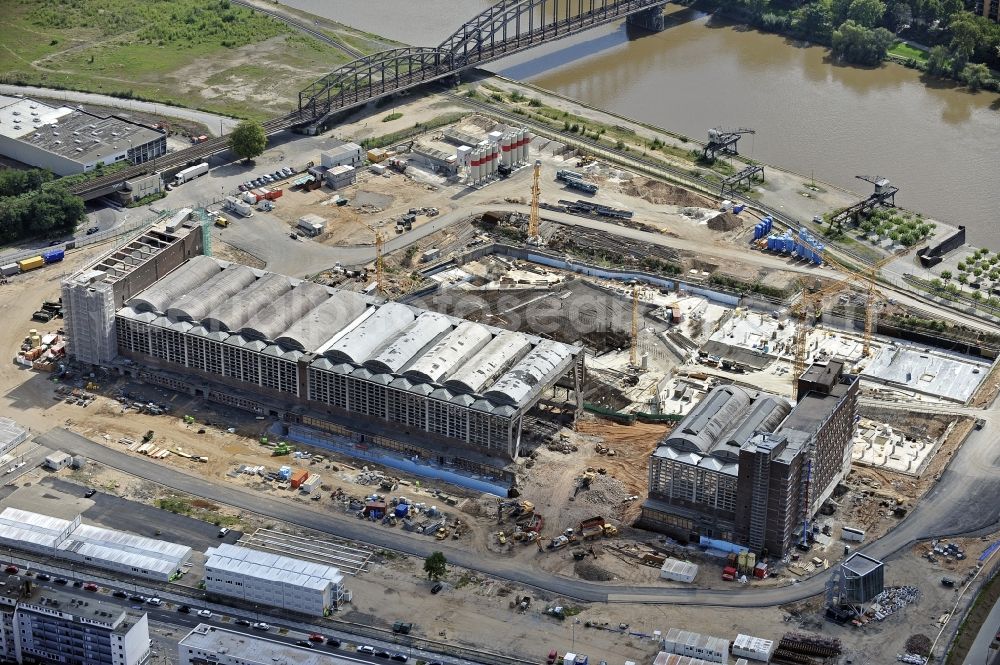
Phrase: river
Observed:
(938, 143)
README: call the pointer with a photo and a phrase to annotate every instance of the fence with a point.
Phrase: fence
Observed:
(967, 599)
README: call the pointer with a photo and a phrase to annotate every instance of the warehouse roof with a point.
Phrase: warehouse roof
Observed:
(273, 567)
(11, 434)
(127, 549)
(346, 331)
(70, 132)
(253, 648)
(23, 526)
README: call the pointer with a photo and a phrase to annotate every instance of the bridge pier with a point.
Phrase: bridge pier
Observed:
(648, 19)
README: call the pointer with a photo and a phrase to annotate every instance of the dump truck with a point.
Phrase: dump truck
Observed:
(558, 542)
(592, 528)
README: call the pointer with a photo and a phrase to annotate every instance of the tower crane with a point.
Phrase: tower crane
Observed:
(534, 237)
(379, 263)
(634, 350)
(723, 141)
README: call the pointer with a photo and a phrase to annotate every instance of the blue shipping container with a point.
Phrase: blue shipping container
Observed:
(54, 256)
(737, 209)
(402, 510)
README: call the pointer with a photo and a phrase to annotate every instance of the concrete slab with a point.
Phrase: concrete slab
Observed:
(940, 374)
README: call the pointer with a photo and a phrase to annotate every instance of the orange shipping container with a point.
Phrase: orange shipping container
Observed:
(298, 477)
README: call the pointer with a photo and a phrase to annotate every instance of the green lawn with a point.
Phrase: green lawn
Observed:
(204, 54)
(904, 50)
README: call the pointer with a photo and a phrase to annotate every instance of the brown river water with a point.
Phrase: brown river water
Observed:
(938, 143)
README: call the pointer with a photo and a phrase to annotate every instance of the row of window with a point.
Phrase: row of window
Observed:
(675, 480)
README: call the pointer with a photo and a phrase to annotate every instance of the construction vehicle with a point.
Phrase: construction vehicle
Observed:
(584, 481)
(610, 531)
(501, 537)
(441, 534)
(723, 141)
(558, 542)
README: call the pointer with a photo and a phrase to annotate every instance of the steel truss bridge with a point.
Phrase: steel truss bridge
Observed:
(506, 28)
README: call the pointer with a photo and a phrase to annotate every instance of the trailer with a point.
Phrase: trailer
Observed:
(53, 256)
(33, 263)
(190, 173)
(238, 207)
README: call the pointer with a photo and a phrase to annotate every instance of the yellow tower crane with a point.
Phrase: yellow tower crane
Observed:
(533, 235)
(634, 350)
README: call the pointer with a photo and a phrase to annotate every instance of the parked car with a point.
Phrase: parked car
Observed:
(304, 643)
(89, 493)
(437, 587)
(277, 175)
(553, 656)
(60, 580)
(92, 230)
(78, 584)
(205, 614)
(42, 577)
(381, 653)
(137, 598)
(242, 622)
(260, 625)
(333, 642)
(364, 648)
(399, 657)
(90, 586)
(154, 601)
(316, 637)
(184, 609)
(120, 594)
(11, 570)
(242, 188)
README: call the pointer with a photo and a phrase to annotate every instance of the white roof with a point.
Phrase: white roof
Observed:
(22, 113)
(273, 567)
(21, 525)
(126, 548)
(11, 433)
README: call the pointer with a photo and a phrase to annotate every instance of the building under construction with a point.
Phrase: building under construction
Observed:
(320, 356)
(745, 468)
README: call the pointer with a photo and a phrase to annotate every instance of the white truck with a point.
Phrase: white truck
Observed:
(190, 173)
(238, 207)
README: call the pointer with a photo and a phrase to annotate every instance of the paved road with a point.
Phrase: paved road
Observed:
(963, 502)
(214, 123)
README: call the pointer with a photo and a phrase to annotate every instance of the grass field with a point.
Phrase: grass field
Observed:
(904, 50)
(204, 54)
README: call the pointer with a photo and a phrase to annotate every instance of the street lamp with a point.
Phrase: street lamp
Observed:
(573, 647)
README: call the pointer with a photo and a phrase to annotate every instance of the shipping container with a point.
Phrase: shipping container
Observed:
(298, 477)
(54, 256)
(30, 264)
(9, 269)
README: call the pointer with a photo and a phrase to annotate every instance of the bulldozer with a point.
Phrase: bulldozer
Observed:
(584, 481)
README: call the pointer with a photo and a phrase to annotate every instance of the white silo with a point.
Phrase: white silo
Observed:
(475, 165)
(525, 143)
(505, 146)
(494, 157)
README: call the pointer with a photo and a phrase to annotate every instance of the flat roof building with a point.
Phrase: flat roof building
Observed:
(56, 626)
(262, 578)
(745, 469)
(212, 645)
(96, 546)
(11, 434)
(68, 140)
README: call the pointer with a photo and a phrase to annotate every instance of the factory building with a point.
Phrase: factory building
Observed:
(55, 626)
(262, 578)
(69, 140)
(11, 435)
(346, 366)
(212, 645)
(746, 469)
(346, 154)
(107, 549)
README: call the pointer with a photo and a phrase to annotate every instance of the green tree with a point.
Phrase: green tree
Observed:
(965, 35)
(946, 274)
(815, 21)
(248, 140)
(902, 16)
(839, 10)
(975, 75)
(435, 566)
(860, 45)
(868, 13)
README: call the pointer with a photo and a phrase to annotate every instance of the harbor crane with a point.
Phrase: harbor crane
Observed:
(723, 141)
(884, 194)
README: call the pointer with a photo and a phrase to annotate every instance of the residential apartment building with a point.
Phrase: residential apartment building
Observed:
(211, 645)
(55, 626)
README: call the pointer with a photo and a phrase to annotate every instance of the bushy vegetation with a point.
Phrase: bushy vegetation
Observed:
(863, 31)
(904, 228)
(160, 22)
(29, 210)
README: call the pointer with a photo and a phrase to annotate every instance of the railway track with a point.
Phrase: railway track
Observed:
(302, 27)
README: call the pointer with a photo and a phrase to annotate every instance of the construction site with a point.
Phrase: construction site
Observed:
(520, 364)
